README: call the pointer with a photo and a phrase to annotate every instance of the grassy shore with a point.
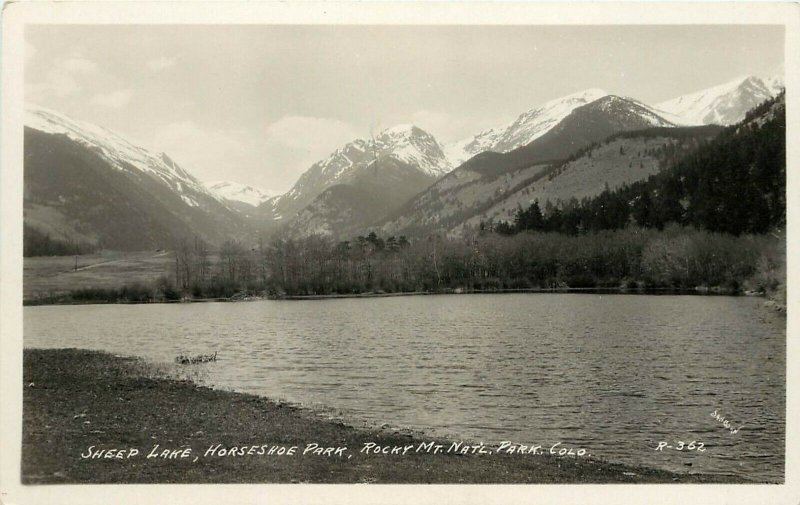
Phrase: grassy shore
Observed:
(51, 276)
(75, 400)
(622, 290)
(115, 297)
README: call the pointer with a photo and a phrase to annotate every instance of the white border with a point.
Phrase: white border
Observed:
(16, 15)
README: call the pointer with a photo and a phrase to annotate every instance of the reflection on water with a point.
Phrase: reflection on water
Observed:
(615, 374)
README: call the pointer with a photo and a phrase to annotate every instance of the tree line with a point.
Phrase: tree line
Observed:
(633, 258)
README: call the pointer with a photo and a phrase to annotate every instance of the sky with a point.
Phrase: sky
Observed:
(259, 104)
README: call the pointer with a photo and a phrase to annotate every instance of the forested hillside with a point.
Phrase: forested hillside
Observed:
(621, 159)
(735, 184)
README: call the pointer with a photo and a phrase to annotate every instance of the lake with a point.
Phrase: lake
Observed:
(613, 374)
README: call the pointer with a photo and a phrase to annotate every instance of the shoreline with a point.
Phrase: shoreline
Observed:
(78, 402)
(564, 290)
(697, 291)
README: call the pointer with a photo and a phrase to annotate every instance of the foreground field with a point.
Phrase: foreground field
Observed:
(52, 275)
(78, 403)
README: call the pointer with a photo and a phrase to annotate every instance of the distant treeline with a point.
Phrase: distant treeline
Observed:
(676, 257)
(37, 243)
(734, 184)
(633, 258)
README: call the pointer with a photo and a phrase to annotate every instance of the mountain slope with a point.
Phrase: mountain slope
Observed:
(619, 160)
(590, 123)
(85, 183)
(351, 207)
(118, 152)
(340, 211)
(724, 104)
(478, 184)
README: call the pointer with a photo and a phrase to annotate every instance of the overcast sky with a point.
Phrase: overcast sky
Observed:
(260, 104)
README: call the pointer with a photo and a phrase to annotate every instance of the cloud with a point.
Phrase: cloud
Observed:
(293, 143)
(272, 157)
(62, 79)
(114, 100)
(181, 133)
(56, 83)
(206, 153)
(444, 127)
(161, 63)
(310, 133)
(448, 128)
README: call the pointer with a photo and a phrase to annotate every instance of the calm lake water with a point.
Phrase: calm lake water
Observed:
(614, 374)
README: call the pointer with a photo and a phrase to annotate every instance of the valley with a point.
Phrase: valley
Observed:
(391, 213)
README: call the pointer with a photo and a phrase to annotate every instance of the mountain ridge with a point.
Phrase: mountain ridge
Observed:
(724, 104)
(87, 183)
(120, 152)
(526, 128)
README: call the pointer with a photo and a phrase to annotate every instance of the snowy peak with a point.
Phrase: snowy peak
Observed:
(536, 122)
(119, 152)
(724, 104)
(360, 182)
(376, 156)
(415, 146)
(630, 109)
(406, 143)
(775, 84)
(237, 192)
(526, 128)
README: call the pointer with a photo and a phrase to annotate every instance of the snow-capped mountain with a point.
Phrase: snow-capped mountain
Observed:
(86, 182)
(120, 153)
(484, 181)
(414, 146)
(626, 108)
(525, 129)
(724, 104)
(238, 192)
(379, 158)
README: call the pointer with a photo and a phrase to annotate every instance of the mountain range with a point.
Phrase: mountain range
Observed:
(493, 185)
(543, 134)
(84, 182)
